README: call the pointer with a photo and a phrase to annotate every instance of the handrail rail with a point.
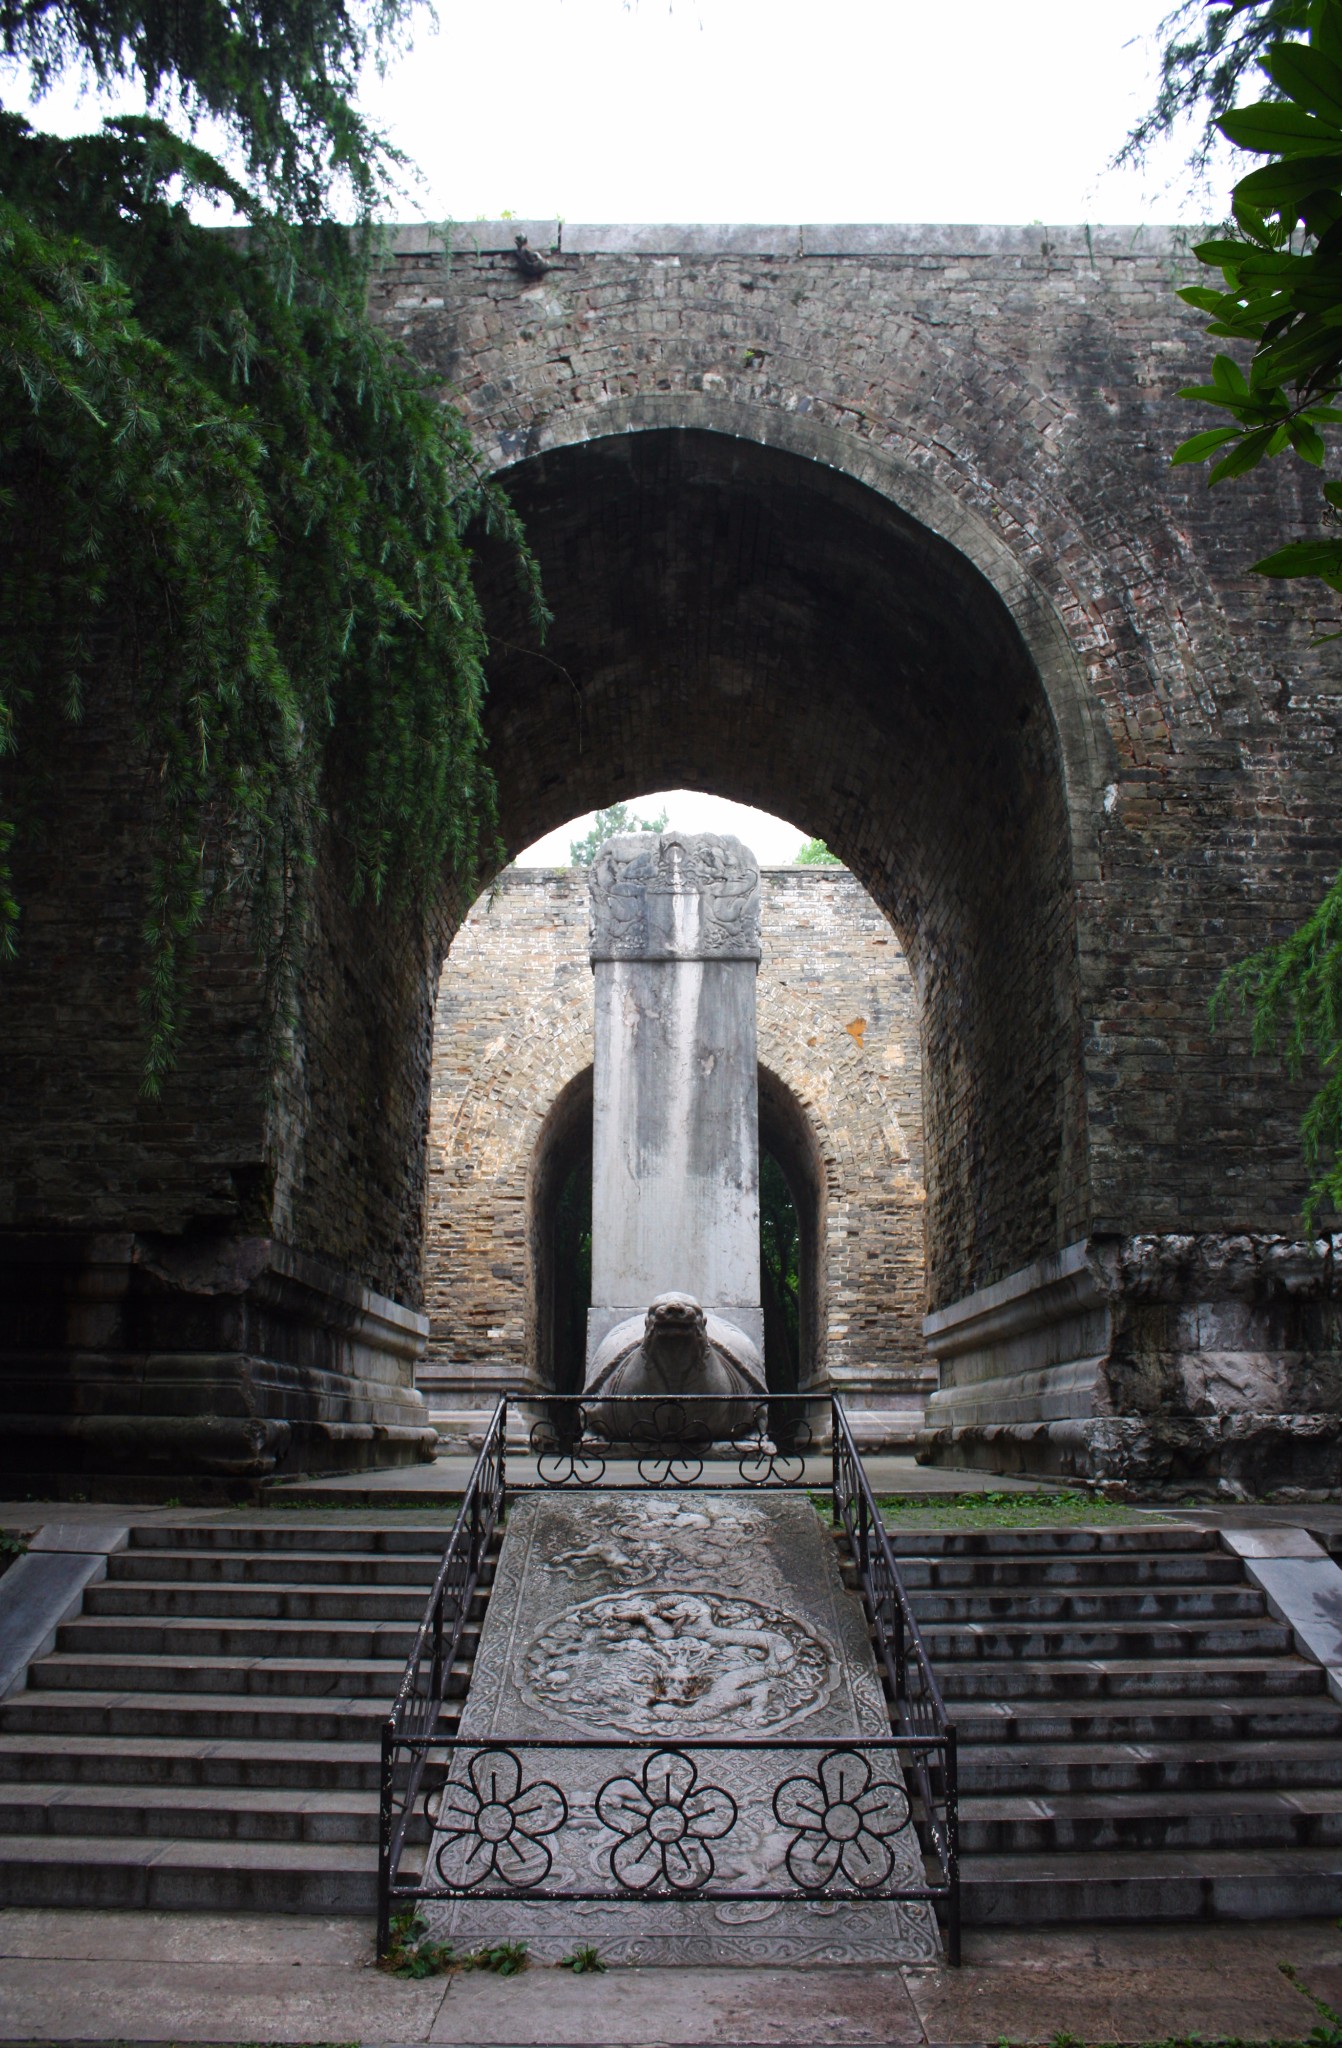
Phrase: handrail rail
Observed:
(437, 1639)
(674, 1459)
(899, 1641)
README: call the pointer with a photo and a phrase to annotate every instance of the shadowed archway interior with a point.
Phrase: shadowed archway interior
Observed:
(742, 620)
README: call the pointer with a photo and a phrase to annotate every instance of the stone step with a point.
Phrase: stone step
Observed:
(1309, 1817)
(1151, 1769)
(1049, 1542)
(1150, 1884)
(182, 1637)
(300, 1602)
(1106, 1604)
(1026, 1642)
(153, 1873)
(293, 1567)
(272, 1538)
(1124, 1571)
(230, 1717)
(249, 1813)
(1128, 1720)
(1087, 1678)
(275, 1678)
(168, 1760)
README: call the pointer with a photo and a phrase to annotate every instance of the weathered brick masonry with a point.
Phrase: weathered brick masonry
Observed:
(838, 1031)
(874, 527)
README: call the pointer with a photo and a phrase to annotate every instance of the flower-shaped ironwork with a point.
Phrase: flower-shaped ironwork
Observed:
(565, 1455)
(763, 1460)
(493, 1826)
(665, 1820)
(844, 1822)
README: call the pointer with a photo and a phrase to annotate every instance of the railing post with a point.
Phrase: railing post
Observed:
(901, 1673)
(503, 1457)
(834, 1456)
(863, 1538)
(386, 1826)
(436, 1673)
(952, 1847)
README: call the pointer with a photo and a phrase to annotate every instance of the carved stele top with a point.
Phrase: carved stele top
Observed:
(674, 896)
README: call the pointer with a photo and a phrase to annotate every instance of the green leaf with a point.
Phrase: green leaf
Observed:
(1284, 188)
(1303, 558)
(1199, 446)
(1307, 442)
(1227, 376)
(1279, 129)
(1307, 77)
(1250, 452)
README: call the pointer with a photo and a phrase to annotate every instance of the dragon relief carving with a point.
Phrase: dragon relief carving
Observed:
(674, 896)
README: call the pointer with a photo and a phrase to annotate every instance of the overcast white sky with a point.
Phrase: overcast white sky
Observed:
(767, 110)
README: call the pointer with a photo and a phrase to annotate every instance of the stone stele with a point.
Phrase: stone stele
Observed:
(675, 1134)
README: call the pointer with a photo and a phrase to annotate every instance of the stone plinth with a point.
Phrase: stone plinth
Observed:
(675, 1135)
(1207, 1363)
(166, 1364)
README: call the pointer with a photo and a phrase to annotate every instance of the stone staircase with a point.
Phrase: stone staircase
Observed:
(206, 1733)
(1138, 1738)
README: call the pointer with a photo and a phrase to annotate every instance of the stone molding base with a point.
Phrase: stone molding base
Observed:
(219, 1358)
(1203, 1364)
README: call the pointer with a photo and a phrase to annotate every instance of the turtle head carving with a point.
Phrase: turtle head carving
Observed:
(698, 1373)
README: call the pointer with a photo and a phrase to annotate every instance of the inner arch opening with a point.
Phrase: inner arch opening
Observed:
(560, 1241)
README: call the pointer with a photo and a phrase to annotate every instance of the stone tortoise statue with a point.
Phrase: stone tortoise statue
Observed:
(702, 1377)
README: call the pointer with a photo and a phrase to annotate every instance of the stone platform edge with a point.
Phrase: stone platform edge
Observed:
(857, 239)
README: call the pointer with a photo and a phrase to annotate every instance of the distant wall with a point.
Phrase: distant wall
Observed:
(838, 1027)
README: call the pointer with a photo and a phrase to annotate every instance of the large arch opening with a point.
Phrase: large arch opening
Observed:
(744, 620)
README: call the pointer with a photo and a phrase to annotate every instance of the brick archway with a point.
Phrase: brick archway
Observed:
(741, 618)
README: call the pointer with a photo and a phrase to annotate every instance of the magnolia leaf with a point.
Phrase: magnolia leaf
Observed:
(1224, 250)
(1205, 297)
(1308, 77)
(1303, 558)
(1249, 453)
(1284, 188)
(1199, 446)
(1277, 128)
(1307, 442)
(1228, 376)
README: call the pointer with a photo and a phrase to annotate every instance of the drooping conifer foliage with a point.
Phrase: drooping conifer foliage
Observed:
(225, 497)
(280, 76)
(1209, 50)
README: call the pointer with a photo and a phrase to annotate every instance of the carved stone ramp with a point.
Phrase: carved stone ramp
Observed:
(656, 1622)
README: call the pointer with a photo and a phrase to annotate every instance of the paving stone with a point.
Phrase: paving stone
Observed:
(1106, 2004)
(544, 2007)
(113, 2000)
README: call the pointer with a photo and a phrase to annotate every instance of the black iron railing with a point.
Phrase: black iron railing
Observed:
(915, 1696)
(409, 1734)
(519, 1819)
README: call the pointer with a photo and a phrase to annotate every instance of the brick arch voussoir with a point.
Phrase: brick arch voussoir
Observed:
(1085, 745)
(941, 403)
